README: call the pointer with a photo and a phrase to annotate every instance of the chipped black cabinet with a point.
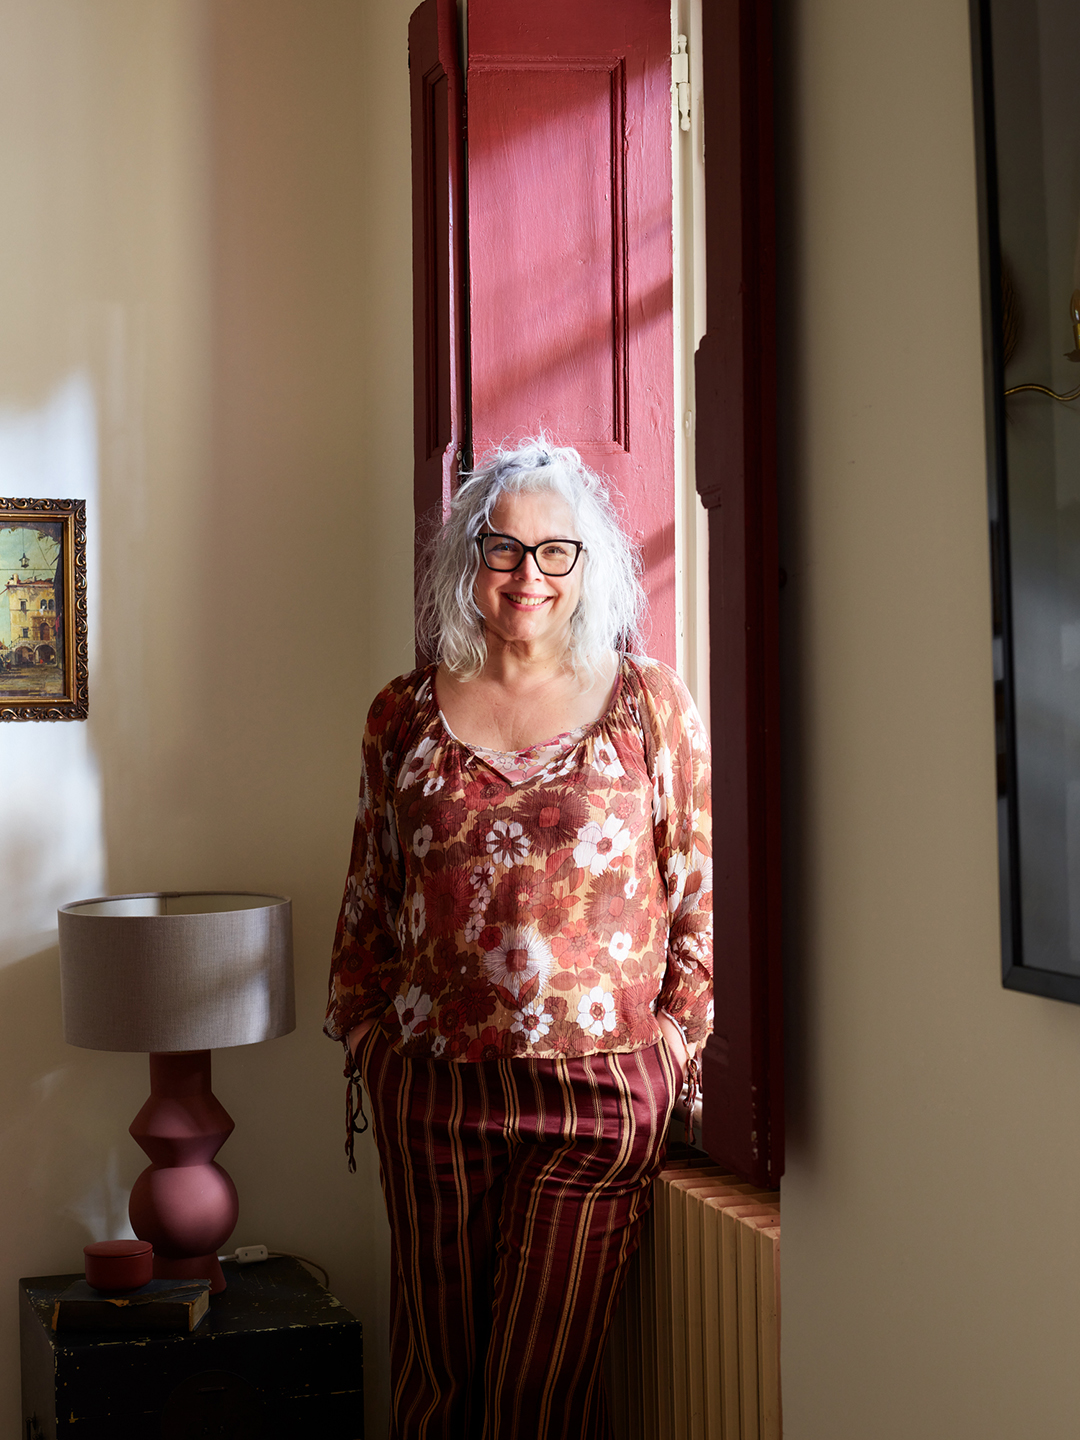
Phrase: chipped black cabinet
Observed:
(276, 1358)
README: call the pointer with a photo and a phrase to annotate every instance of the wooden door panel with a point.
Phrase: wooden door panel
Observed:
(570, 258)
(560, 267)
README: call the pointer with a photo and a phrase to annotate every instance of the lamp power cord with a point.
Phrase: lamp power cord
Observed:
(252, 1254)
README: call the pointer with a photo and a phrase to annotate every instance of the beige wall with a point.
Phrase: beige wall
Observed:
(204, 329)
(931, 1271)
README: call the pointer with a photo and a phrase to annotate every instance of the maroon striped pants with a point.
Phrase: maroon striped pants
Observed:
(516, 1191)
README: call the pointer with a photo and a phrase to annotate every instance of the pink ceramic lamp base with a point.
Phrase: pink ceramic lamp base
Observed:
(184, 1203)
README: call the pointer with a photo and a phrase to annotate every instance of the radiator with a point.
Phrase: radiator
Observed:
(694, 1350)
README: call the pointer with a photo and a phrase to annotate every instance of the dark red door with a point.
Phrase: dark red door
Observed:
(570, 261)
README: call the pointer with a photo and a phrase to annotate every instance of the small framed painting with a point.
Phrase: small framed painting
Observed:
(43, 672)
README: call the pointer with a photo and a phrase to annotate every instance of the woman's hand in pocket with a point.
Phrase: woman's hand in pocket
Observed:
(356, 1035)
(675, 1042)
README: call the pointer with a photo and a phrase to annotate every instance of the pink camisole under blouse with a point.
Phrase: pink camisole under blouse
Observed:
(517, 766)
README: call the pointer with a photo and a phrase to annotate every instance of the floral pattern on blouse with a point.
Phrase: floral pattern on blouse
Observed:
(484, 918)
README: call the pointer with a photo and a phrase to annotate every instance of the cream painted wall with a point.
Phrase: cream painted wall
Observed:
(931, 1263)
(204, 329)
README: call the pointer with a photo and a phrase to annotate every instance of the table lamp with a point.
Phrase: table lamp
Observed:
(176, 974)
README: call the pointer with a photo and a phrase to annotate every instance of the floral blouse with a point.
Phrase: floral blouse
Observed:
(554, 915)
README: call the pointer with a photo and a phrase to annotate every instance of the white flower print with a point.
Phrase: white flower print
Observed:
(439, 1046)
(480, 880)
(566, 766)
(364, 804)
(600, 845)
(675, 879)
(506, 844)
(419, 762)
(704, 863)
(413, 1010)
(522, 956)
(532, 1024)
(630, 889)
(416, 916)
(421, 841)
(433, 785)
(351, 906)
(482, 875)
(619, 946)
(606, 760)
(596, 1012)
(694, 948)
(681, 903)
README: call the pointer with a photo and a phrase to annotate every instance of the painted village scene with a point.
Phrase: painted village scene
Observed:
(31, 600)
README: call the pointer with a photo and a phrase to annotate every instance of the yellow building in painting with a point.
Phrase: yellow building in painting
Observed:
(32, 608)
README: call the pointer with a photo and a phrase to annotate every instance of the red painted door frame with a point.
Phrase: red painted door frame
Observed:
(440, 295)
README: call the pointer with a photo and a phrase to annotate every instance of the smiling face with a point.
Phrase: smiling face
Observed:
(524, 608)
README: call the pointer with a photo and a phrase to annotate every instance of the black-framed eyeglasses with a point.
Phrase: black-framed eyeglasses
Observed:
(553, 557)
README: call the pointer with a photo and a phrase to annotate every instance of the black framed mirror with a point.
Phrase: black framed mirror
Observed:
(1028, 127)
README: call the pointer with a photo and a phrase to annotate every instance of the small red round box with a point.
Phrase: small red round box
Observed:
(119, 1264)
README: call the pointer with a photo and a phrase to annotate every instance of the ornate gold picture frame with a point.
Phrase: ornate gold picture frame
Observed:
(43, 670)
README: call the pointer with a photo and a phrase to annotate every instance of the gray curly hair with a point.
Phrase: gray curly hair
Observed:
(608, 613)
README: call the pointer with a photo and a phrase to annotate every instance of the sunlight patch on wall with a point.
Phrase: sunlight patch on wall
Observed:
(51, 834)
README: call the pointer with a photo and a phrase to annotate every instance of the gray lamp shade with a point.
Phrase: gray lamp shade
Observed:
(176, 971)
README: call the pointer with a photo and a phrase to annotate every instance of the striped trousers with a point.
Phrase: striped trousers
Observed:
(516, 1191)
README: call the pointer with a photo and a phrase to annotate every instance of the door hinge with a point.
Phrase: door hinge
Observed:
(680, 81)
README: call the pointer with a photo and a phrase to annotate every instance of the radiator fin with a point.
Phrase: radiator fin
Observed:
(694, 1350)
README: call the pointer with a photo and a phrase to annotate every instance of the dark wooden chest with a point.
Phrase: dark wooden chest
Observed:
(276, 1358)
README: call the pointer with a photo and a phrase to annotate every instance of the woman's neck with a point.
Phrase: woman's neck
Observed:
(517, 700)
(517, 668)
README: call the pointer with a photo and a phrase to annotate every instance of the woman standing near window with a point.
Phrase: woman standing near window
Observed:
(523, 960)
